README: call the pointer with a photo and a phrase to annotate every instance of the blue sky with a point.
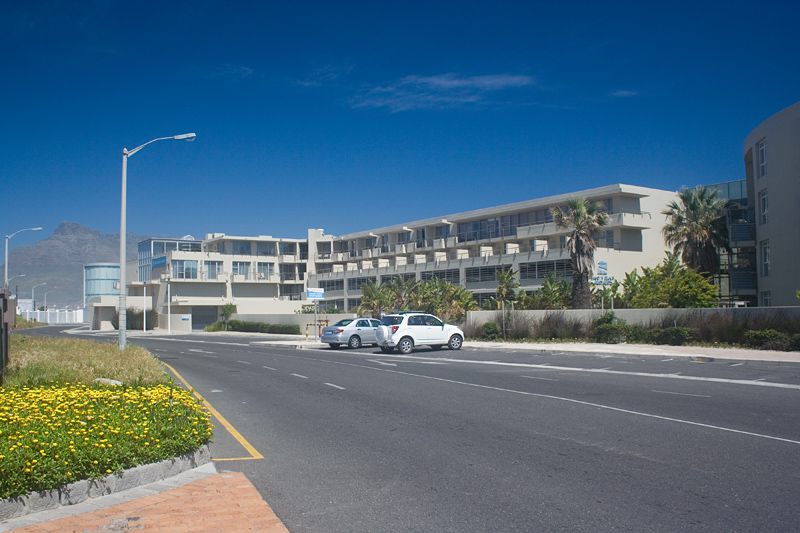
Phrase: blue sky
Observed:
(348, 115)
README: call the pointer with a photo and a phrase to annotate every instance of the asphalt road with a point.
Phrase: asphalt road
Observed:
(504, 440)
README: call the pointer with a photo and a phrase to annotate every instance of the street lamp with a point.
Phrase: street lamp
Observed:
(15, 277)
(123, 309)
(8, 238)
(33, 294)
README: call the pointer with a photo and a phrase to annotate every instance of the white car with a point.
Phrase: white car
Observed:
(405, 331)
(354, 332)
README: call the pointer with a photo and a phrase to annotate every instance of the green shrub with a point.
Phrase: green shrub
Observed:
(641, 334)
(794, 343)
(556, 325)
(610, 333)
(675, 336)
(255, 327)
(761, 338)
(606, 318)
(491, 331)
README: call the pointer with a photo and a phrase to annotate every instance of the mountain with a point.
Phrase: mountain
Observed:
(58, 260)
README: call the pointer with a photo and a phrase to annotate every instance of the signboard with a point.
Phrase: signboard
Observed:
(159, 261)
(603, 280)
(186, 318)
(602, 268)
(315, 294)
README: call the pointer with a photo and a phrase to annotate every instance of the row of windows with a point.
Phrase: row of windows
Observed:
(485, 273)
(332, 284)
(355, 284)
(542, 269)
(391, 277)
(187, 269)
(452, 275)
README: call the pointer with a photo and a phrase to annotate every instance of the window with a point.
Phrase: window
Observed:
(241, 247)
(353, 303)
(332, 284)
(764, 248)
(362, 324)
(416, 320)
(265, 270)
(478, 274)
(288, 248)
(184, 269)
(288, 272)
(375, 323)
(433, 321)
(766, 298)
(389, 278)
(451, 275)
(763, 206)
(355, 284)
(762, 158)
(241, 268)
(265, 248)
(441, 232)
(562, 241)
(213, 269)
(541, 269)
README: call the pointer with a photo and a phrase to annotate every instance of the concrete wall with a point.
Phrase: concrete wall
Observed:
(305, 321)
(642, 317)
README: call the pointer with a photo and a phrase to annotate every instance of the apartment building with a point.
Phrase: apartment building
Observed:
(191, 280)
(471, 247)
(772, 169)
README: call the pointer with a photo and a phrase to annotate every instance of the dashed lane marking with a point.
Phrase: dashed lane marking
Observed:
(537, 377)
(382, 362)
(269, 367)
(301, 376)
(335, 386)
(244, 362)
(681, 393)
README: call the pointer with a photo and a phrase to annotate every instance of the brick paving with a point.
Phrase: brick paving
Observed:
(222, 502)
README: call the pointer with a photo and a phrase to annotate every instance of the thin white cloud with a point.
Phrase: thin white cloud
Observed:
(230, 72)
(325, 75)
(624, 93)
(438, 91)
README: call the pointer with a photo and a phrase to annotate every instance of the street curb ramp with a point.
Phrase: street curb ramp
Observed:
(83, 490)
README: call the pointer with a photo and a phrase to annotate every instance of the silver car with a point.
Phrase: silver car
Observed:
(354, 332)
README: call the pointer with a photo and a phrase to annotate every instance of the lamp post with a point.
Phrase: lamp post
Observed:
(33, 294)
(8, 238)
(123, 310)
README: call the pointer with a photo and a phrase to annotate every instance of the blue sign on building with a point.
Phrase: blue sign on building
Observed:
(159, 261)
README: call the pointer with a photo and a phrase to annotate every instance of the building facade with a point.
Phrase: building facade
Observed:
(188, 283)
(772, 169)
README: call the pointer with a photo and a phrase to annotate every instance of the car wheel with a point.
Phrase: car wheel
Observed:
(406, 345)
(455, 342)
(436, 346)
(354, 342)
(386, 349)
(334, 346)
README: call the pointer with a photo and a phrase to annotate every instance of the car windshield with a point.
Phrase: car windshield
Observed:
(391, 320)
(344, 322)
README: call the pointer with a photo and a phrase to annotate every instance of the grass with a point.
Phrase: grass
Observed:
(45, 360)
(21, 323)
(58, 426)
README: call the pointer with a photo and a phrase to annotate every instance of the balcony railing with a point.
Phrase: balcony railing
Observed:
(742, 232)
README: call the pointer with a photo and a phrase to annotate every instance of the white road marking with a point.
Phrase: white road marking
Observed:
(681, 393)
(665, 360)
(737, 364)
(430, 362)
(269, 368)
(381, 362)
(572, 400)
(197, 350)
(335, 386)
(244, 362)
(537, 377)
(216, 390)
(201, 342)
(299, 376)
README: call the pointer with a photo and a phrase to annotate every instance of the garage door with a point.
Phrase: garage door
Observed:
(203, 316)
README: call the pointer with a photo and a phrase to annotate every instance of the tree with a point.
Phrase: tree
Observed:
(554, 294)
(402, 290)
(375, 300)
(583, 219)
(507, 286)
(225, 313)
(669, 284)
(695, 228)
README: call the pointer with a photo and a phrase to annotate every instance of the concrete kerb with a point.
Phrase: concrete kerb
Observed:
(80, 491)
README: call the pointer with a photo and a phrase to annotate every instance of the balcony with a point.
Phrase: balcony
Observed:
(742, 234)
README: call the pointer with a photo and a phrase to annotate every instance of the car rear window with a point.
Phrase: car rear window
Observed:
(344, 322)
(391, 320)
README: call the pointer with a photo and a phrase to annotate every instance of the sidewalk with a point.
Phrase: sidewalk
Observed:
(200, 500)
(656, 350)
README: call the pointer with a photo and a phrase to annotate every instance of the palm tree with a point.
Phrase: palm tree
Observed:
(695, 228)
(507, 286)
(375, 299)
(402, 290)
(583, 219)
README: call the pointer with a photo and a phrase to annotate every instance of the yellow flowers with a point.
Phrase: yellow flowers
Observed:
(53, 435)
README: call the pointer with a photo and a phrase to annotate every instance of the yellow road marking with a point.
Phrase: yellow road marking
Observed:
(254, 454)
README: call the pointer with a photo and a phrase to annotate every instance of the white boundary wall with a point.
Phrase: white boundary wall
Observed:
(55, 316)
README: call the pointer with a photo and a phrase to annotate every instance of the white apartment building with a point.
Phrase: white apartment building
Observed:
(469, 248)
(268, 275)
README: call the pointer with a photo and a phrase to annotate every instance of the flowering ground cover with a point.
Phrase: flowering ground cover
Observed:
(54, 433)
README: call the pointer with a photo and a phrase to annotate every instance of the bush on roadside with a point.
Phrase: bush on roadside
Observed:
(638, 334)
(767, 339)
(674, 336)
(491, 331)
(58, 434)
(255, 327)
(557, 325)
(609, 329)
(134, 318)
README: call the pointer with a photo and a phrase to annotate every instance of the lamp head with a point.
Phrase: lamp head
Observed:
(37, 228)
(185, 137)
